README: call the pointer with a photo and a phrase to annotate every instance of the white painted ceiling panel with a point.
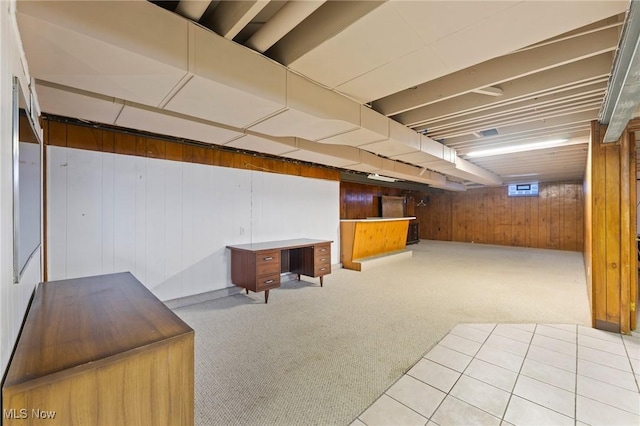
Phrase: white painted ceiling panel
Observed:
(419, 157)
(325, 154)
(116, 23)
(368, 162)
(213, 101)
(263, 145)
(435, 20)
(308, 97)
(412, 69)
(353, 138)
(72, 59)
(164, 122)
(482, 42)
(227, 63)
(300, 124)
(380, 37)
(388, 148)
(68, 103)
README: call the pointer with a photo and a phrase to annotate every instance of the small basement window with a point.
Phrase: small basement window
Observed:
(523, 189)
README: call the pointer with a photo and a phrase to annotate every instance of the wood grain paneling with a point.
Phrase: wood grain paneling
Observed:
(87, 138)
(111, 140)
(610, 251)
(56, 134)
(554, 219)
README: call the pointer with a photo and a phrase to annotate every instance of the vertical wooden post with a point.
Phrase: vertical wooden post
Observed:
(610, 227)
(625, 230)
(633, 276)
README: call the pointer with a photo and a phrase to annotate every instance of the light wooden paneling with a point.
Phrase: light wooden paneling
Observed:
(610, 253)
(363, 239)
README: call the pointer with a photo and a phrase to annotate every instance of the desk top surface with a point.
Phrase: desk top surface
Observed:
(279, 245)
(78, 322)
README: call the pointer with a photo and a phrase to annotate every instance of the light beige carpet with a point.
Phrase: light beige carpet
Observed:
(322, 355)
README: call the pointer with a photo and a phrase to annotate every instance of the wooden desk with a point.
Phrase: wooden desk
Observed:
(257, 266)
(100, 351)
(361, 238)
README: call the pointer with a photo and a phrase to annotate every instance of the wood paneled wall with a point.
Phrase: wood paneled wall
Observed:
(553, 220)
(359, 201)
(610, 253)
(59, 133)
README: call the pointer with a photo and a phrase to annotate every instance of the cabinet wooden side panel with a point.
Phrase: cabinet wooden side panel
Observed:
(243, 269)
(347, 232)
(612, 224)
(154, 385)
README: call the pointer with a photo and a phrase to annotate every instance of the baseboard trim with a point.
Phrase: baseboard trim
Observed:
(607, 326)
(201, 297)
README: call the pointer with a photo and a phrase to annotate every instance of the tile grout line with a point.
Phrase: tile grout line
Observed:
(448, 393)
(513, 388)
(575, 384)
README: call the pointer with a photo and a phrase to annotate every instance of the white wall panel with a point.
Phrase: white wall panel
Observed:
(84, 212)
(57, 207)
(169, 222)
(108, 214)
(171, 286)
(140, 215)
(124, 197)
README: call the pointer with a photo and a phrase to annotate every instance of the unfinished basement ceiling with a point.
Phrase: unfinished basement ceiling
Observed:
(402, 88)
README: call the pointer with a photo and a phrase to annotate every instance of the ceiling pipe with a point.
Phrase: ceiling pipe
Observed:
(623, 92)
(192, 9)
(279, 25)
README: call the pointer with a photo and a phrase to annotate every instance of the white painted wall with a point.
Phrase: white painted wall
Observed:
(14, 298)
(169, 222)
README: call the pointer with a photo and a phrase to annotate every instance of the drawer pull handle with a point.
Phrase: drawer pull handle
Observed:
(268, 258)
(268, 281)
(323, 269)
(323, 259)
(322, 249)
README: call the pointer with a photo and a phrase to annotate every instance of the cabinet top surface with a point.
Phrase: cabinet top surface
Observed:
(280, 245)
(378, 219)
(76, 322)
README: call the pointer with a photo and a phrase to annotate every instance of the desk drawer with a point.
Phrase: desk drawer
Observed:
(268, 262)
(270, 281)
(322, 259)
(320, 270)
(322, 250)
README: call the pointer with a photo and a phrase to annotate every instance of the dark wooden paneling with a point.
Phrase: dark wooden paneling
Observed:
(57, 134)
(108, 141)
(156, 148)
(91, 138)
(84, 138)
(173, 151)
(125, 144)
(554, 219)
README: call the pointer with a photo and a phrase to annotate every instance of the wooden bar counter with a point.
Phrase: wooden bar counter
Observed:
(362, 238)
(100, 350)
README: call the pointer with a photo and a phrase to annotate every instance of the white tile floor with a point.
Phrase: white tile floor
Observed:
(517, 374)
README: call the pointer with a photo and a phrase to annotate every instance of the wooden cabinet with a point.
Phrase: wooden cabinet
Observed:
(364, 238)
(256, 271)
(257, 266)
(100, 351)
(313, 261)
(413, 233)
